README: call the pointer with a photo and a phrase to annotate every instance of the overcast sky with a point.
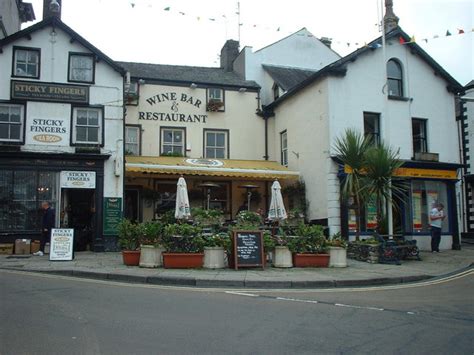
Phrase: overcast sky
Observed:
(192, 32)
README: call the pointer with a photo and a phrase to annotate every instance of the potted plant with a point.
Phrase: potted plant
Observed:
(309, 247)
(337, 251)
(210, 219)
(215, 247)
(129, 240)
(184, 246)
(248, 220)
(151, 244)
(282, 256)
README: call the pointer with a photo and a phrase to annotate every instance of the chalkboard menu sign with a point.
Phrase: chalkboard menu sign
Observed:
(248, 249)
(112, 214)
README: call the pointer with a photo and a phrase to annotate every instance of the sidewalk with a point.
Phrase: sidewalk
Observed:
(109, 266)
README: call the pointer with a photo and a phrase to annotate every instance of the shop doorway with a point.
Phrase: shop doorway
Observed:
(78, 212)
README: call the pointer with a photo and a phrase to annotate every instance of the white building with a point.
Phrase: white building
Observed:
(61, 134)
(12, 14)
(399, 94)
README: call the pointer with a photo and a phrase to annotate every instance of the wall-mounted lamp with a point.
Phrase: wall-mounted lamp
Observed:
(193, 86)
(242, 90)
(141, 81)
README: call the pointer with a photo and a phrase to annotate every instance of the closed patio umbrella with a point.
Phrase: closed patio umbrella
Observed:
(277, 210)
(182, 210)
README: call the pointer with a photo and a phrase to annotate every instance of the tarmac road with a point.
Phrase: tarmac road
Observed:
(46, 314)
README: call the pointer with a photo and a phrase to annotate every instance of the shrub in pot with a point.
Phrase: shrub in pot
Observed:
(309, 247)
(184, 246)
(211, 218)
(129, 240)
(151, 244)
(282, 256)
(215, 247)
(248, 220)
(337, 251)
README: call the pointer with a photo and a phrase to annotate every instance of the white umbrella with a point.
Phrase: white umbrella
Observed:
(182, 210)
(277, 210)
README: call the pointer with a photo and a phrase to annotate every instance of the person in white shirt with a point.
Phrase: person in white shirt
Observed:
(436, 220)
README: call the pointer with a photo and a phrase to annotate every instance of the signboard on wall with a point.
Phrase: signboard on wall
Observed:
(48, 131)
(77, 179)
(38, 91)
(416, 202)
(62, 244)
(112, 215)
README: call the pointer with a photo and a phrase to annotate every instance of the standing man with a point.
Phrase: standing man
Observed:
(436, 219)
(47, 223)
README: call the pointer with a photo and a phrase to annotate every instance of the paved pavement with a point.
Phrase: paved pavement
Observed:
(109, 266)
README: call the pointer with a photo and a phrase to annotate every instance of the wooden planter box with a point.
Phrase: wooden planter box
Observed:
(310, 260)
(131, 257)
(182, 260)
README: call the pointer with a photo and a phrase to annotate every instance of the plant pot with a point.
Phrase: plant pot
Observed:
(214, 257)
(182, 260)
(282, 257)
(151, 256)
(310, 260)
(337, 257)
(131, 257)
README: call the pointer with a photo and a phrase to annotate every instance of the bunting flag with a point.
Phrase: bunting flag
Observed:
(412, 39)
(448, 33)
(401, 40)
(167, 8)
(460, 31)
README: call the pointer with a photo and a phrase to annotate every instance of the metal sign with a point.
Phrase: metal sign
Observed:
(78, 179)
(38, 91)
(62, 244)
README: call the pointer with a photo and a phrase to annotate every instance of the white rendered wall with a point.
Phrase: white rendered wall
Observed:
(10, 17)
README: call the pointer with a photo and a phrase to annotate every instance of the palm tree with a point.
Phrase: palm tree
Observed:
(351, 150)
(380, 164)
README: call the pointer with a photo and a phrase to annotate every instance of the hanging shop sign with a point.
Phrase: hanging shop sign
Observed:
(78, 179)
(37, 91)
(62, 244)
(112, 215)
(171, 104)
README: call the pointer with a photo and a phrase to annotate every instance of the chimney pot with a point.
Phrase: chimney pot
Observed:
(52, 8)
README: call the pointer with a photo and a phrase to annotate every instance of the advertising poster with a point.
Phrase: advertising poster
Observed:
(416, 198)
(62, 244)
(352, 220)
(371, 214)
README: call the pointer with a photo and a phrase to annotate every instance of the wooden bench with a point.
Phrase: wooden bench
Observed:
(393, 250)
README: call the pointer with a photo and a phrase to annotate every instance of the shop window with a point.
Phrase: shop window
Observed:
(394, 78)
(215, 100)
(284, 148)
(81, 67)
(173, 141)
(420, 144)
(215, 144)
(132, 140)
(368, 216)
(21, 195)
(26, 62)
(88, 125)
(11, 123)
(372, 127)
(424, 195)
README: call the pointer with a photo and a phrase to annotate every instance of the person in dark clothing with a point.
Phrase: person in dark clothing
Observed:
(47, 223)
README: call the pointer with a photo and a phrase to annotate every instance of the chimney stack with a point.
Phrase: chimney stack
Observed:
(229, 53)
(52, 8)
(390, 20)
(326, 41)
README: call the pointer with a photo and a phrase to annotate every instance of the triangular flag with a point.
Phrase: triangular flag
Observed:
(167, 8)
(436, 36)
(348, 44)
(278, 29)
(425, 39)
(401, 40)
(448, 33)
(412, 39)
(198, 18)
(182, 13)
(460, 31)
(212, 19)
(133, 5)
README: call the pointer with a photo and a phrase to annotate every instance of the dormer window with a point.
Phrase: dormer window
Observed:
(215, 100)
(26, 62)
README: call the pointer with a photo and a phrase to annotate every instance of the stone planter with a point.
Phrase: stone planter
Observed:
(182, 260)
(337, 257)
(151, 256)
(282, 257)
(310, 260)
(131, 257)
(214, 258)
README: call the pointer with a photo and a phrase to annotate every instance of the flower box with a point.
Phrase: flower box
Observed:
(310, 260)
(131, 257)
(182, 260)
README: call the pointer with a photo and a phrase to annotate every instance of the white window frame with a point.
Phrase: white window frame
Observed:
(225, 148)
(128, 142)
(16, 50)
(172, 144)
(99, 126)
(284, 147)
(21, 123)
(71, 68)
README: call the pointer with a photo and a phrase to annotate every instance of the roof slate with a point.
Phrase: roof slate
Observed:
(286, 77)
(187, 74)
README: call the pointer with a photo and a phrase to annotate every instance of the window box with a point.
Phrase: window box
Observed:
(214, 105)
(215, 100)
